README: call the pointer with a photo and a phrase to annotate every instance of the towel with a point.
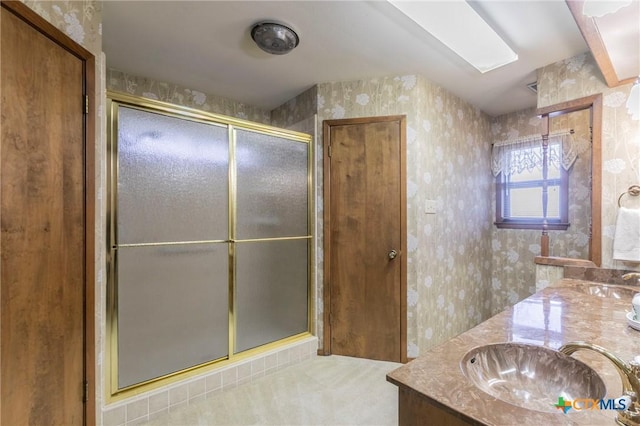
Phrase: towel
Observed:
(626, 243)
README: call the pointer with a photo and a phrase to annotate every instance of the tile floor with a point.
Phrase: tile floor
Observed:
(331, 390)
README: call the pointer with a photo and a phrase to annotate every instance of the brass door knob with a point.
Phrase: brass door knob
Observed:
(392, 254)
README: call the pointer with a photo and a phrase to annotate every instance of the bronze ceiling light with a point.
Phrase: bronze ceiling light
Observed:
(274, 38)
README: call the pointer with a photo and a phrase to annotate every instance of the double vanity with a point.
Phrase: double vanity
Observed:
(560, 346)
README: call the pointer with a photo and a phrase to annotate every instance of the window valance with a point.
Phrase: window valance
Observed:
(525, 153)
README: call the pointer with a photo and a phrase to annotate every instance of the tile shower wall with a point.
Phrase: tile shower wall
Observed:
(184, 96)
(449, 264)
(82, 22)
(513, 268)
(577, 77)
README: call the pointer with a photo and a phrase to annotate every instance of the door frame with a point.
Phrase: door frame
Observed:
(23, 12)
(327, 124)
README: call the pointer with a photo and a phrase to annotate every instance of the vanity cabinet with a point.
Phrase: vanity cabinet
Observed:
(433, 389)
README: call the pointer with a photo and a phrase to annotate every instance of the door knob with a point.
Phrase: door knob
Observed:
(392, 254)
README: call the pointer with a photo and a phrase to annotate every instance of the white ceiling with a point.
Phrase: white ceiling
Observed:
(206, 46)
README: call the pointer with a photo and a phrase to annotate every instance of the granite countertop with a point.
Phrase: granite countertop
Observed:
(556, 315)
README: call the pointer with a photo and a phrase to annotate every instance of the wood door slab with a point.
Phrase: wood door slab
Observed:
(366, 208)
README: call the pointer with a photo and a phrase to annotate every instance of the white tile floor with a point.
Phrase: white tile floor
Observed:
(330, 390)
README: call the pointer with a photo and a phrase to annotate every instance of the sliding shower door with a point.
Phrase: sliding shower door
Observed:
(209, 239)
(172, 249)
(272, 238)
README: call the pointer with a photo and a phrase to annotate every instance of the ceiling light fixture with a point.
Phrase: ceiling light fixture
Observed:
(274, 38)
(462, 30)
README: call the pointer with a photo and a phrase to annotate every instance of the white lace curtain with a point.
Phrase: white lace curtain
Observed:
(517, 155)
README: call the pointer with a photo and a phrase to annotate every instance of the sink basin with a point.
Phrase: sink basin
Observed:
(529, 376)
(602, 290)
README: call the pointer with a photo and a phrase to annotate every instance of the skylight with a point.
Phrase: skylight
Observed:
(462, 30)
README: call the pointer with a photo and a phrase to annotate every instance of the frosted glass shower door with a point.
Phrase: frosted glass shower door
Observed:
(172, 244)
(209, 240)
(172, 179)
(271, 291)
(272, 239)
(272, 189)
(172, 315)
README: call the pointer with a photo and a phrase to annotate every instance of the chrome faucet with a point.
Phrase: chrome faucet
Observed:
(631, 275)
(629, 374)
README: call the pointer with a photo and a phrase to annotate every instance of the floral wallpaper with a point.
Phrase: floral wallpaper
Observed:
(547, 275)
(80, 20)
(179, 95)
(449, 259)
(577, 77)
(513, 269)
(448, 162)
(295, 110)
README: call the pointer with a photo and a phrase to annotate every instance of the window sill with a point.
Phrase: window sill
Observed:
(532, 225)
(563, 261)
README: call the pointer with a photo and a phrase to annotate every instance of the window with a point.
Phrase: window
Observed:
(520, 184)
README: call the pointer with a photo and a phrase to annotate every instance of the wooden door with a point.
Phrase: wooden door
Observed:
(43, 228)
(365, 238)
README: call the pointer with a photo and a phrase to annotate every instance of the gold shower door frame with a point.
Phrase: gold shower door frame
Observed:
(114, 100)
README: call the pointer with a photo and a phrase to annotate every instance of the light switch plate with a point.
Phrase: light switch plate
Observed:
(430, 207)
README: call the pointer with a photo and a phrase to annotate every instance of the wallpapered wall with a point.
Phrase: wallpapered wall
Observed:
(80, 20)
(513, 270)
(448, 162)
(184, 96)
(577, 77)
(296, 110)
(449, 267)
